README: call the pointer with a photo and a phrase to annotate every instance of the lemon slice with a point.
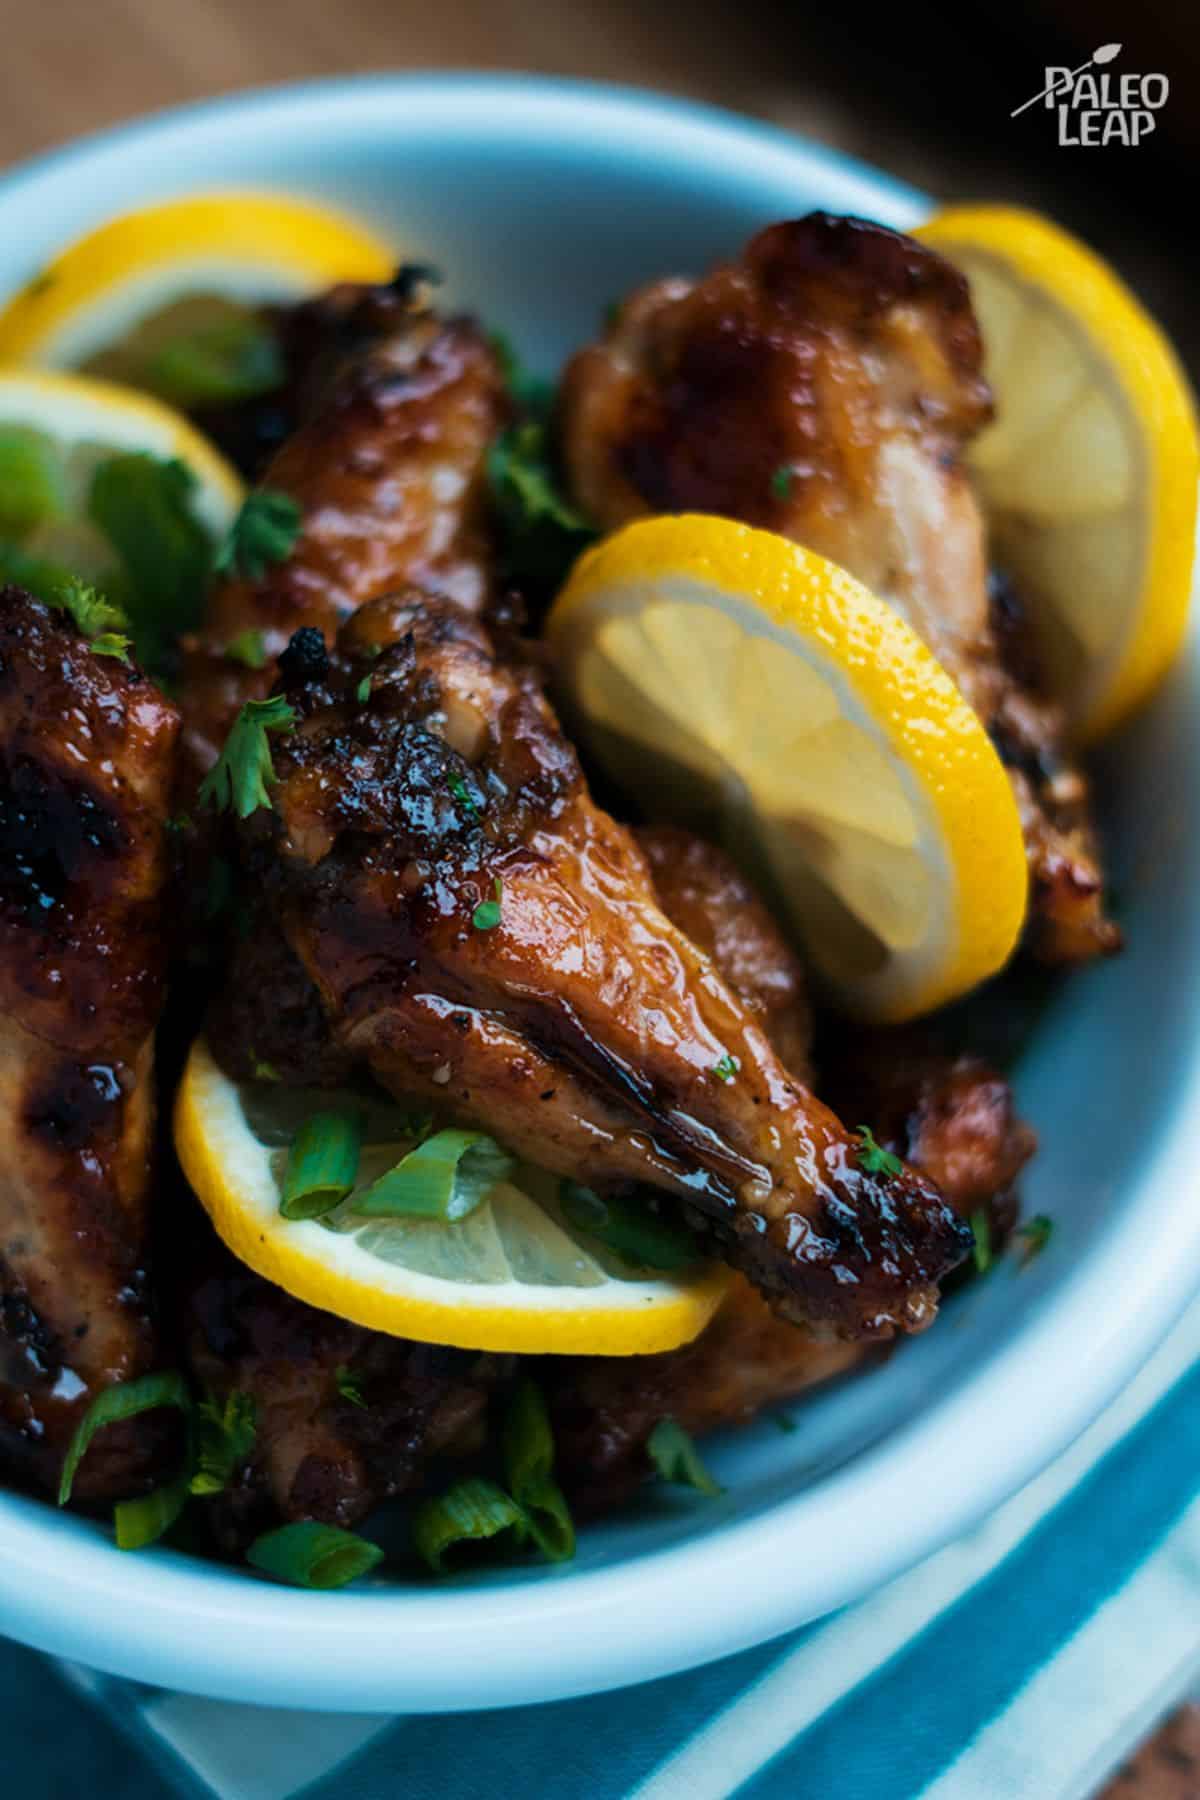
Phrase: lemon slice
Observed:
(55, 432)
(239, 246)
(751, 689)
(1089, 473)
(511, 1276)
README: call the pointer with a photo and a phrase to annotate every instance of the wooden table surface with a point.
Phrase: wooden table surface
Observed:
(70, 66)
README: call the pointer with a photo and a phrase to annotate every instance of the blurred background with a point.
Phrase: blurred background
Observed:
(924, 90)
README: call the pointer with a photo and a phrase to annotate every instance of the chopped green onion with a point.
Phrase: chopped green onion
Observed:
(140, 1522)
(474, 1511)
(248, 648)
(322, 1165)
(224, 1439)
(627, 1225)
(981, 1226)
(233, 359)
(363, 690)
(348, 1388)
(487, 914)
(445, 1178)
(528, 1444)
(124, 1400)
(726, 1069)
(264, 532)
(874, 1158)
(31, 479)
(676, 1458)
(313, 1556)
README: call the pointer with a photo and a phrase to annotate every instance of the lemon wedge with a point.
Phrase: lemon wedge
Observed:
(513, 1275)
(1089, 473)
(56, 432)
(747, 687)
(241, 247)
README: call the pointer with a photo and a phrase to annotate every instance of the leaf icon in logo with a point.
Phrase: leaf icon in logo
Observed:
(1105, 53)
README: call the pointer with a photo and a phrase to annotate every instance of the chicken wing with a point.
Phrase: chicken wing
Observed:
(825, 387)
(87, 749)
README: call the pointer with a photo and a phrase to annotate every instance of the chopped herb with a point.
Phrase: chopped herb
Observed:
(231, 359)
(472, 1512)
(1035, 1234)
(629, 1225)
(981, 1226)
(224, 1439)
(322, 1165)
(446, 1177)
(528, 1444)
(248, 648)
(124, 1400)
(781, 482)
(785, 1423)
(241, 775)
(40, 575)
(263, 1071)
(309, 1555)
(487, 914)
(462, 795)
(144, 1520)
(348, 1388)
(727, 1068)
(143, 506)
(263, 533)
(532, 394)
(112, 643)
(363, 690)
(676, 1458)
(94, 616)
(541, 532)
(874, 1158)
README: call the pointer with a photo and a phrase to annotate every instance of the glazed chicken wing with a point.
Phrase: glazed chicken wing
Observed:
(825, 387)
(87, 749)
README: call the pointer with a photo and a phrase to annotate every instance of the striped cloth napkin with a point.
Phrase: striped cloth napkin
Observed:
(1020, 1663)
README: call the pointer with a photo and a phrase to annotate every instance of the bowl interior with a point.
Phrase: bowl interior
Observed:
(542, 202)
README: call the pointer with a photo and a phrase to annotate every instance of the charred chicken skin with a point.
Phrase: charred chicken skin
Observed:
(87, 749)
(825, 387)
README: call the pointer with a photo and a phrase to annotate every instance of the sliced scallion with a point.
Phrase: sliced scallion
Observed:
(125, 1400)
(310, 1555)
(444, 1178)
(472, 1512)
(629, 1226)
(528, 1444)
(140, 1522)
(322, 1164)
(674, 1455)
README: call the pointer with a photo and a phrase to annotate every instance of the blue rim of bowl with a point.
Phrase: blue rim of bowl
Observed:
(166, 1619)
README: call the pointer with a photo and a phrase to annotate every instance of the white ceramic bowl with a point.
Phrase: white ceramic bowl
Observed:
(542, 201)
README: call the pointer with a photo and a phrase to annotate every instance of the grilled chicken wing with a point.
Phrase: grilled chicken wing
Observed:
(87, 749)
(585, 1030)
(825, 387)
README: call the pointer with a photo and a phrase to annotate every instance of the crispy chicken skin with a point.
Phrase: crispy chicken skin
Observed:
(87, 747)
(388, 470)
(585, 1030)
(825, 387)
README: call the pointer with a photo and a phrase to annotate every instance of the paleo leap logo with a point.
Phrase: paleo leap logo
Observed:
(1100, 108)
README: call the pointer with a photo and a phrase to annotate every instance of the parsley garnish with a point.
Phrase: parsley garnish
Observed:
(541, 532)
(676, 1458)
(224, 1438)
(874, 1158)
(462, 794)
(727, 1068)
(981, 1226)
(487, 914)
(264, 532)
(143, 506)
(242, 773)
(93, 615)
(112, 643)
(781, 482)
(363, 690)
(1035, 1234)
(248, 648)
(348, 1388)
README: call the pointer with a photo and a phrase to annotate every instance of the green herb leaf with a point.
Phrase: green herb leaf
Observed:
(531, 393)
(322, 1165)
(981, 1226)
(472, 1512)
(264, 532)
(781, 482)
(125, 1400)
(541, 533)
(874, 1158)
(727, 1068)
(263, 1071)
(242, 773)
(463, 796)
(39, 575)
(92, 613)
(486, 916)
(232, 359)
(224, 1439)
(630, 1226)
(111, 643)
(313, 1556)
(1035, 1234)
(348, 1388)
(142, 1521)
(528, 1445)
(143, 505)
(676, 1458)
(32, 485)
(248, 648)
(363, 690)
(445, 1178)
